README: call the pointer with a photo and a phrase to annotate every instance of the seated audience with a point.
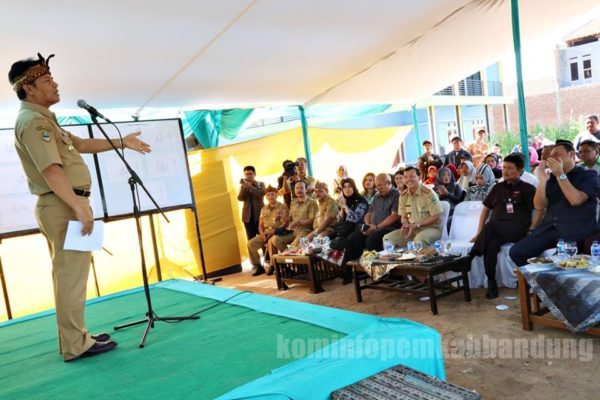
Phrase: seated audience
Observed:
(431, 176)
(302, 214)
(353, 206)
(368, 184)
(327, 214)
(398, 179)
(484, 181)
(454, 170)
(420, 210)
(382, 218)
(467, 175)
(568, 194)
(511, 205)
(272, 216)
(447, 189)
(493, 162)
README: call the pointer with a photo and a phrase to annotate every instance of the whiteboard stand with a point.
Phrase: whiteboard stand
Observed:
(134, 182)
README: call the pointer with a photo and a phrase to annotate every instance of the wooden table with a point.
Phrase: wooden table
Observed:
(305, 269)
(398, 279)
(534, 311)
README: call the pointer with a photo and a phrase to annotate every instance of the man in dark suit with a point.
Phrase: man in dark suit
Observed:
(252, 193)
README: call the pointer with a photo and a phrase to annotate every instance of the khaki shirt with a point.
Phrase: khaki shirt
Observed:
(420, 205)
(328, 208)
(40, 142)
(310, 183)
(306, 209)
(478, 152)
(272, 217)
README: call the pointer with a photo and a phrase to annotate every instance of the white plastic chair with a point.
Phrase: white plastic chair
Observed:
(445, 214)
(463, 228)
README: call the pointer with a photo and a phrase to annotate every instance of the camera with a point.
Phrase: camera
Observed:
(289, 168)
(242, 181)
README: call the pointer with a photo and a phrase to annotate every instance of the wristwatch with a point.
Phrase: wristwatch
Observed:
(562, 177)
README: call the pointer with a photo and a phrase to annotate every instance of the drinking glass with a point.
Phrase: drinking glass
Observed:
(571, 249)
(418, 245)
(447, 247)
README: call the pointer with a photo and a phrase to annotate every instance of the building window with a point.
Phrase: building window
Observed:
(587, 69)
(574, 71)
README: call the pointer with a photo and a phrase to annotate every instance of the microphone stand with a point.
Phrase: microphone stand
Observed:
(133, 181)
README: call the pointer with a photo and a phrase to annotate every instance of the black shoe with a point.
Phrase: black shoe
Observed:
(101, 337)
(270, 271)
(492, 290)
(97, 348)
(258, 270)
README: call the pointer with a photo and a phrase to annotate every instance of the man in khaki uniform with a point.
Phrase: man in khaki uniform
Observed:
(57, 174)
(420, 210)
(272, 216)
(326, 217)
(302, 214)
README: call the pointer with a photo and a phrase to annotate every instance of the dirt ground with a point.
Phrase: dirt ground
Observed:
(573, 375)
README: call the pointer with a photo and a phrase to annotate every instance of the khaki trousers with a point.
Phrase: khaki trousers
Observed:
(426, 235)
(281, 242)
(70, 271)
(254, 245)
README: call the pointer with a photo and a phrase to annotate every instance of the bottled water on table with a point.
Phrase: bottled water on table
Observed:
(595, 250)
(388, 246)
(410, 245)
(439, 247)
(561, 249)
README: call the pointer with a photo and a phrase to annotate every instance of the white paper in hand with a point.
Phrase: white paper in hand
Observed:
(75, 241)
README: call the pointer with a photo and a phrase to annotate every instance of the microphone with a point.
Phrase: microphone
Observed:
(82, 103)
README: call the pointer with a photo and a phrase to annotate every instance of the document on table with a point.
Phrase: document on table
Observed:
(75, 241)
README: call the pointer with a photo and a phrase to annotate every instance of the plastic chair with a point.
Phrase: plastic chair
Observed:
(463, 228)
(445, 214)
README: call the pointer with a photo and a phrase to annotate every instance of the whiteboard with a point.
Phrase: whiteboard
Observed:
(17, 204)
(164, 171)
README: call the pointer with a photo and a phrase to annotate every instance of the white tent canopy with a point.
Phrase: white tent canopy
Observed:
(231, 53)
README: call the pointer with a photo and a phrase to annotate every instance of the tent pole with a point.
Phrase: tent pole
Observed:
(521, 96)
(305, 138)
(416, 126)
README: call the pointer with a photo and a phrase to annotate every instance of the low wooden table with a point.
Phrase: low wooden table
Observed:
(533, 311)
(397, 279)
(309, 270)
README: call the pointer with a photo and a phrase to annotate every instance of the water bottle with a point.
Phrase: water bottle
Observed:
(388, 246)
(410, 246)
(439, 247)
(595, 250)
(561, 249)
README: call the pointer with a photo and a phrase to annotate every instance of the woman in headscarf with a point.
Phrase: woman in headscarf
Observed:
(342, 173)
(493, 162)
(447, 189)
(454, 171)
(431, 176)
(484, 181)
(467, 174)
(353, 206)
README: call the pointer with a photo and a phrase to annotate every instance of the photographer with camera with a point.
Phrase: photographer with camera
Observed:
(251, 193)
(300, 175)
(289, 170)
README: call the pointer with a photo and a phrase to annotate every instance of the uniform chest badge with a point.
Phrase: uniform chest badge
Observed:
(45, 136)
